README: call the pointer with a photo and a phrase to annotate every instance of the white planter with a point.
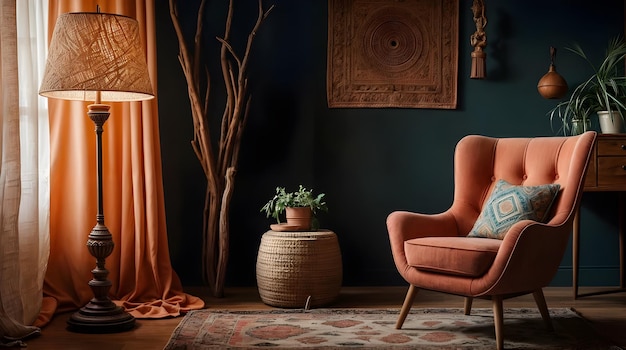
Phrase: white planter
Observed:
(610, 124)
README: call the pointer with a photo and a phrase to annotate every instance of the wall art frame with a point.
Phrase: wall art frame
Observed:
(392, 54)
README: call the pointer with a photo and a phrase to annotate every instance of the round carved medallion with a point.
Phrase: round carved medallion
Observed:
(392, 40)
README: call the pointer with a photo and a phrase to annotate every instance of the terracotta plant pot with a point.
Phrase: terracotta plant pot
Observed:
(299, 216)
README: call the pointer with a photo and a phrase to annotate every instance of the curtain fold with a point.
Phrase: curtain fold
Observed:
(24, 169)
(134, 210)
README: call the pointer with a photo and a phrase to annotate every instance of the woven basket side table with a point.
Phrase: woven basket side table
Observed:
(293, 266)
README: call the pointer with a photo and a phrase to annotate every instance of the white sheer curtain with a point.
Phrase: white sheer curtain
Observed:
(24, 167)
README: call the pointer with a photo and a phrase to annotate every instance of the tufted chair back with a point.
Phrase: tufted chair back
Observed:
(480, 161)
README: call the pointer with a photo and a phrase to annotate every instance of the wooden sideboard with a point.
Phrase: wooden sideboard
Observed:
(606, 172)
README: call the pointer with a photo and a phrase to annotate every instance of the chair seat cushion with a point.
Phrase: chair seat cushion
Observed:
(461, 256)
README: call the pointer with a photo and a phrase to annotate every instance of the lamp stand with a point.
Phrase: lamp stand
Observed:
(100, 315)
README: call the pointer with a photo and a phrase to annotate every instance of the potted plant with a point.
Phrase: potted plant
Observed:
(299, 207)
(604, 92)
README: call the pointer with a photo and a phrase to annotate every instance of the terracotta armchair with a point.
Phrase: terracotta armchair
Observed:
(434, 252)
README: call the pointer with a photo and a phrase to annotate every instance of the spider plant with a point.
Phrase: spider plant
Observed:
(604, 90)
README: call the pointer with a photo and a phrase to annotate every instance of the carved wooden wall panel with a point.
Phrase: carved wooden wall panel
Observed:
(385, 53)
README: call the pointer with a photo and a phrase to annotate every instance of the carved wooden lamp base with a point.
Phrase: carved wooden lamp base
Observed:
(100, 315)
(97, 318)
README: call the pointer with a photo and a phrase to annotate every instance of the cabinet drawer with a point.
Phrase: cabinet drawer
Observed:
(612, 147)
(611, 171)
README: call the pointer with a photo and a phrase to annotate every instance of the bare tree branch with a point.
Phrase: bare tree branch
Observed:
(219, 168)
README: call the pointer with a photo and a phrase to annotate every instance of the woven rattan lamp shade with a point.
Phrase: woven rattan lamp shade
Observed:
(91, 52)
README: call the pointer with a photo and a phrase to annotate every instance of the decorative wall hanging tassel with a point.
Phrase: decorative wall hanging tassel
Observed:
(479, 41)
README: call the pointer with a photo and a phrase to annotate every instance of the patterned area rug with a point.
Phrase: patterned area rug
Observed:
(375, 329)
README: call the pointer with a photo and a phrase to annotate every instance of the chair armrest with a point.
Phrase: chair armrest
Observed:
(528, 258)
(404, 225)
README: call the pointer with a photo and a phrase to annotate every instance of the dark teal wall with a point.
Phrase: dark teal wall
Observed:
(370, 162)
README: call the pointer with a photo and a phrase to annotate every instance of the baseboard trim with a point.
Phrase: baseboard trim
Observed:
(597, 276)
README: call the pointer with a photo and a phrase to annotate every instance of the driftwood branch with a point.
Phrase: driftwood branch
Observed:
(219, 165)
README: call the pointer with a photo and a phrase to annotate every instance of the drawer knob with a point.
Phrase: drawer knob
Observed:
(623, 167)
(623, 147)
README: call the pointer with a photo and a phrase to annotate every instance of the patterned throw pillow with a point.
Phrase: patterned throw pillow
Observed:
(509, 204)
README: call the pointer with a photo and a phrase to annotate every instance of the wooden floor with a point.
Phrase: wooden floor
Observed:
(607, 313)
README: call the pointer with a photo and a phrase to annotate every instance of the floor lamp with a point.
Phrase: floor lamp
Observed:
(97, 57)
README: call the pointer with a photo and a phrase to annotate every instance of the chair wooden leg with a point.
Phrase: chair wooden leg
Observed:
(406, 307)
(467, 308)
(543, 308)
(498, 321)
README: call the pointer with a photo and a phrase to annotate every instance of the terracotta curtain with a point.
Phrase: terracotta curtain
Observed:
(140, 270)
